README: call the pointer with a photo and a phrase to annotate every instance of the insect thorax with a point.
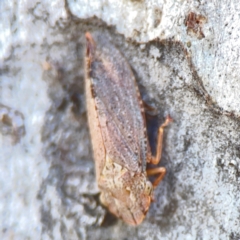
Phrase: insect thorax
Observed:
(127, 194)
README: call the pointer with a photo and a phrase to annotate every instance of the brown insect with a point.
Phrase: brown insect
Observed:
(117, 125)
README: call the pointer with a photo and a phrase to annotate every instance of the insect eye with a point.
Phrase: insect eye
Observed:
(148, 187)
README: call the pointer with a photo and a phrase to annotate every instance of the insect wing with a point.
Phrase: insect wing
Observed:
(118, 105)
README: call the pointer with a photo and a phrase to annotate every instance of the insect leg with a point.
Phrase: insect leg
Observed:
(149, 110)
(160, 170)
(156, 159)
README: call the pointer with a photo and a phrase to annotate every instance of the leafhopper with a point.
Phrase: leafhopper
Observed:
(118, 133)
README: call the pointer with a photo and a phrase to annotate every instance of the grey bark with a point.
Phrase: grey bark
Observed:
(185, 56)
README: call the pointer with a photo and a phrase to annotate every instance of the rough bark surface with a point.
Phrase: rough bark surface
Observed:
(185, 56)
